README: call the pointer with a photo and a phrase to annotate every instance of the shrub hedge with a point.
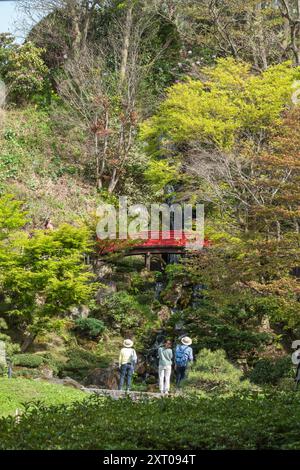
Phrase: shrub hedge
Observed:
(271, 371)
(247, 421)
(28, 360)
(90, 327)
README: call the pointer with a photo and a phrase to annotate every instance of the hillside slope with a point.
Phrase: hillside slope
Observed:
(44, 169)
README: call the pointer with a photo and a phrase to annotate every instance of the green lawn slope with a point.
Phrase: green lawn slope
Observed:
(15, 393)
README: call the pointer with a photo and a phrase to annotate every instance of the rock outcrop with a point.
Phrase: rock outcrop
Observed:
(104, 378)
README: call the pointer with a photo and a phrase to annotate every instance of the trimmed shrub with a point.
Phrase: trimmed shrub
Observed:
(26, 373)
(90, 327)
(213, 371)
(123, 311)
(28, 360)
(3, 370)
(79, 363)
(270, 371)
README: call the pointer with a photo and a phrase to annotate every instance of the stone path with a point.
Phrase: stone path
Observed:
(116, 394)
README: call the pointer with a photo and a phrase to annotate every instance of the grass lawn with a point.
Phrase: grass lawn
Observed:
(14, 393)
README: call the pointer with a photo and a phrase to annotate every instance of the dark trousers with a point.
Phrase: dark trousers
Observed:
(297, 378)
(126, 372)
(180, 374)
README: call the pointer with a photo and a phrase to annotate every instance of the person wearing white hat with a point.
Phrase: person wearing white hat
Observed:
(183, 357)
(127, 362)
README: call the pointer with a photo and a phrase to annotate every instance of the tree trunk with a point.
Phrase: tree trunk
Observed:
(75, 22)
(28, 340)
(126, 42)
(113, 182)
(261, 39)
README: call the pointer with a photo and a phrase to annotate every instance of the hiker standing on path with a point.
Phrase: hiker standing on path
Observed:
(183, 357)
(165, 356)
(127, 362)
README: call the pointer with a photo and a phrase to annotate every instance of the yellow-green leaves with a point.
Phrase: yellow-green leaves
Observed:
(160, 173)
(228, 104)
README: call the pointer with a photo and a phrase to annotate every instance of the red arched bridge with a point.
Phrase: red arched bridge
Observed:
(155, 242)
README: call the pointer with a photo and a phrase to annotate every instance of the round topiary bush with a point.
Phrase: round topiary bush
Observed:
(90, 327)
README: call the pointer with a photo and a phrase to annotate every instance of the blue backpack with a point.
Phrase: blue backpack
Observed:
(181, 356)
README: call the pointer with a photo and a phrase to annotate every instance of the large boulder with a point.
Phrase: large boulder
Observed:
(46, 371)
(104, 271)
(80, 311)
(104, 378)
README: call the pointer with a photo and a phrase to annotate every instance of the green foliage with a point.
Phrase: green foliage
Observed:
(11, 348)
(24, 143)
(28, 360)
(227, 117)
(248, 421)
(23, 70)
(271, 371)
(214, 316)
(90, 327)
(3, 324)
(12, 217)
(27, 373)
(79, 363)
(41, 276)
(226, 329)
(213, 371)
(122, 311)
(17, 393)
(159, 173)
(43, 164)
(230, 104)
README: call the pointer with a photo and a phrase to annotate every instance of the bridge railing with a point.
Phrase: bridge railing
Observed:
(155, 239)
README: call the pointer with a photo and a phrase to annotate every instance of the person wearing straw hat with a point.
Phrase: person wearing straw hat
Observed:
(183, 357)
(127, 362)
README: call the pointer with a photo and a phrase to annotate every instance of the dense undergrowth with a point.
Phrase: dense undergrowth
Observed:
(247, 421)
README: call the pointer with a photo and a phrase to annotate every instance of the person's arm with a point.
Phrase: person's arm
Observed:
(120, 358)
(191, 357)
(134, 357)
(174, 356)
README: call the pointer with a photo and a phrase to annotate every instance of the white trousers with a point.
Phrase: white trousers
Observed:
(164, 373)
